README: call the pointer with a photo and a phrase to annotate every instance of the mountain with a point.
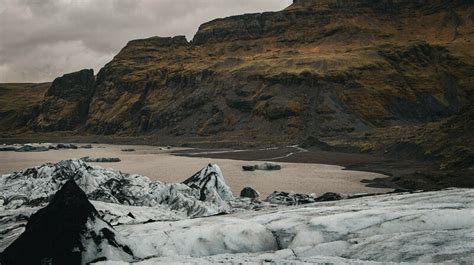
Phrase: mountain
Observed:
(365, 76)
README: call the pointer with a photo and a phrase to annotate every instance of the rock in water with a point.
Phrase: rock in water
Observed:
(329, 196)
(248, 168)
(264, 166)
(67, 231)
(128, 150)
(248, 192)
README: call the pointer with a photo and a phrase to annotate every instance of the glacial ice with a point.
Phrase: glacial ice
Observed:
(35, 186)
(428, 227)
(422, 227)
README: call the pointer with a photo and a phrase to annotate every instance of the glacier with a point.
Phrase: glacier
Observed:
(201, 221)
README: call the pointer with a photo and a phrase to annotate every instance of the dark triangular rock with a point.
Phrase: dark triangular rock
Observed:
(52, 234)
(67, 231)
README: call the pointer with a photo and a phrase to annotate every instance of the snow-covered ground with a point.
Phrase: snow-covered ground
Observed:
(425, 227)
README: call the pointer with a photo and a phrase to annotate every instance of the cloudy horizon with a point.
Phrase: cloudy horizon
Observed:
(43, 39)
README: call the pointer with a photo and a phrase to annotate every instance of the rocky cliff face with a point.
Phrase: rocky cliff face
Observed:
(316, 69)
(66, 102)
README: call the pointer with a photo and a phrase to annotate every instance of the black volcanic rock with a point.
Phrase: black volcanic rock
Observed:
(248, 192)
(62, 233)
(329, 196)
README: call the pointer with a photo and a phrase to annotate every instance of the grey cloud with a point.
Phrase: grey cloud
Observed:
(43, 39)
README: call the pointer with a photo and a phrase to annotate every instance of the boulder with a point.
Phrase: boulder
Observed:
(329, 196)
(248, 168)
(248, 192)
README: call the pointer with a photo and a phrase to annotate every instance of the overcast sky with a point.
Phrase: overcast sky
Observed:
(43, 39)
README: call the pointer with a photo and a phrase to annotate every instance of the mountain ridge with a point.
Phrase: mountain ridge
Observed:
(331, 70)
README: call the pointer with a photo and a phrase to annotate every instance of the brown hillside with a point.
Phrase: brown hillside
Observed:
(344, 72)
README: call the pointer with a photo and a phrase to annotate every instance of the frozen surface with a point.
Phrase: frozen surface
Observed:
(35, 186)
(152, 219)
(420, 227)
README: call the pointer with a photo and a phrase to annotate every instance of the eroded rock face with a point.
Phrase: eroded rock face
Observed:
(277, 76)
(67, 231)
(66, 102)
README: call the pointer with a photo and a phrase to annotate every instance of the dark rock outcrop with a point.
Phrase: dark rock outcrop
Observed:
(265, 166)
(66, 102)
(248, 192)
(329, 196)
(248, 168)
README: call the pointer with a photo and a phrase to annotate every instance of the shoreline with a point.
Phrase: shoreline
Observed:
(400, 174)
(166, 166)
